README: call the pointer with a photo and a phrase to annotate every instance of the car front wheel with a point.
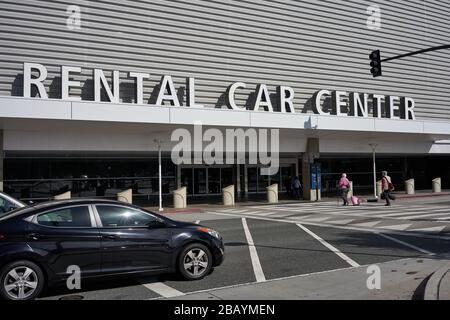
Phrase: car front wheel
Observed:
(195, 261)
(21, 280)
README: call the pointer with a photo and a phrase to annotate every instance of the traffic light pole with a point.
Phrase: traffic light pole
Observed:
(417, 52)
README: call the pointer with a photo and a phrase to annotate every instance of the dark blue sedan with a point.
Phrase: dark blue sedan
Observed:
(41, 245)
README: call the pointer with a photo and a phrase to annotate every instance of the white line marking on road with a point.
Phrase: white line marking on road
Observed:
(312, 219)
(163, 289)
(346, 258)
(269, 280)
(341, 222)
(404, 243)
(431, 229)
(429, 215)
(399, 227)
(402, 233)
(367, 224)
(197, 222)
(257, 269)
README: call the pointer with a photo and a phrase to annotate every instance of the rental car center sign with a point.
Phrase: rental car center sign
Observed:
(340, 103)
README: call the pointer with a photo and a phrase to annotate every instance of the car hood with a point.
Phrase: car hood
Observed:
(187, 225)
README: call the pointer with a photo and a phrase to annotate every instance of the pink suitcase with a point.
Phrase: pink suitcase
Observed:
(356, 201)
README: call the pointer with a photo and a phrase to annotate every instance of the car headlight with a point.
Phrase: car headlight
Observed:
(212, 232)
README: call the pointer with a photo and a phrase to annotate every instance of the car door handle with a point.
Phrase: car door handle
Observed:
(110, 236)
(33, 236)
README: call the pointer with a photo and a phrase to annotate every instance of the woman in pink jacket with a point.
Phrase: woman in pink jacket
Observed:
(344, 186)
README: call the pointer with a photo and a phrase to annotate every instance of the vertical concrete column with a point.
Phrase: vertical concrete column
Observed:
(178, 176)
(312, 152)
(437, 185)
(238, 180)
(245, 180)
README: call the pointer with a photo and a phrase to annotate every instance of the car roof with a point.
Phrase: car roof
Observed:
(54, 204)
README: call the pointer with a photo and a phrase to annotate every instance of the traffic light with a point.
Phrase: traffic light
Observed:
(375, 63)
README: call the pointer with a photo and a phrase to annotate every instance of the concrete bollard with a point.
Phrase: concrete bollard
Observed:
(125, 196)
(379, 188)
(437, 186)
(179, 198)
(272, 193)
(228, 195)
(409, 186)
(63, 196)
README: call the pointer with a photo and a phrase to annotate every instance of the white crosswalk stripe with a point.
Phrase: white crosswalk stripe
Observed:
(399, 212)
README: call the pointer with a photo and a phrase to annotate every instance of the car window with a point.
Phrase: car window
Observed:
(115, 216)
(72, 217)
(6, 206)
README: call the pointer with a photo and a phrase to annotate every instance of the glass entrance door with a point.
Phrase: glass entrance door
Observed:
(200, 179)
(257, 182)
(206, 180)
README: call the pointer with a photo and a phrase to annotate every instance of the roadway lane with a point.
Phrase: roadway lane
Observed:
(286, 250)
(237, 267)
(365, 247)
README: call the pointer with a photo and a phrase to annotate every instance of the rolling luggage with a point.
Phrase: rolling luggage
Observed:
(356, 201)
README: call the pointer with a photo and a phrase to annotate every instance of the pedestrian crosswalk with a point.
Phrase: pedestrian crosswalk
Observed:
(426, 218)
(401, 212)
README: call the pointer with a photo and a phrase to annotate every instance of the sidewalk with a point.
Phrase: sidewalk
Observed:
(200, 207)
(400, 280)
(438, 286)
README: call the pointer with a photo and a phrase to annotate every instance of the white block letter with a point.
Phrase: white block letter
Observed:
(286, 98)
(167, 84)
(191, 94)
(318, 105)
(338, 103)
(100, 79)
(66, 83)
(231, 93)
(139, 85)
(28, 81)
(360, 108)
(260, 102)
(392, 107)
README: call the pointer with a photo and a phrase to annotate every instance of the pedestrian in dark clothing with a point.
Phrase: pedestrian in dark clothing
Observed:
(296, 185)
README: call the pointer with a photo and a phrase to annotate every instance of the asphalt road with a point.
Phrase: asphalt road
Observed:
(283, 249)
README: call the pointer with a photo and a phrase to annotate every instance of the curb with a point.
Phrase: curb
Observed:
(433, 287)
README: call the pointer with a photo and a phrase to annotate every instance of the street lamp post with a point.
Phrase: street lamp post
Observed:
(159, 173)
(374, 146)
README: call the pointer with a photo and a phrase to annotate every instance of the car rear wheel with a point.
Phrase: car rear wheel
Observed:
(195, 261)
(21, 280)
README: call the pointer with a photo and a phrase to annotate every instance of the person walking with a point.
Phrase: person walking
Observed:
(387, 187)
(296, 185)
(344, 186)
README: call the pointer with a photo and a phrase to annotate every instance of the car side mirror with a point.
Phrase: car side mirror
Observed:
(157, 224)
